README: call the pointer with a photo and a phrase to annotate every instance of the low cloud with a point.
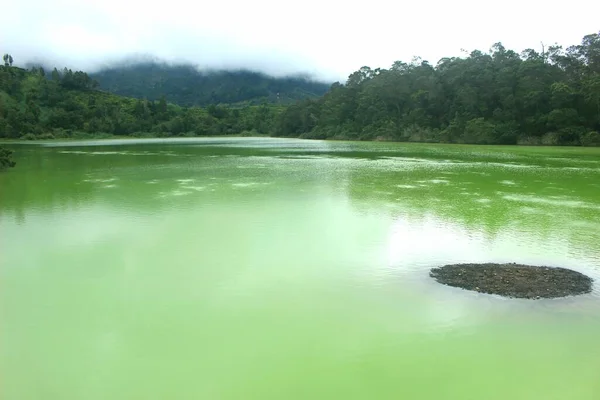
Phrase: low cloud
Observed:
(325, 39)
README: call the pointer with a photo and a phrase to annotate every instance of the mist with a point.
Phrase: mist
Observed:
(323, 39)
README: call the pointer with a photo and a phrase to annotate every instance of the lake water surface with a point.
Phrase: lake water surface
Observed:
(248, 268)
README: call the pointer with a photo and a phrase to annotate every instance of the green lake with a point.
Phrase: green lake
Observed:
(257, 268)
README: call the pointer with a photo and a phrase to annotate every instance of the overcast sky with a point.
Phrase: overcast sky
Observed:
(328, 39)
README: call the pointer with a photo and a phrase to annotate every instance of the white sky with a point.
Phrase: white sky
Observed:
(329, 39)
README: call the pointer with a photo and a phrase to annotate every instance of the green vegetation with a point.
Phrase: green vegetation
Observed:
(5, 159)
(68, 104)
(501, 97)
(186, 86)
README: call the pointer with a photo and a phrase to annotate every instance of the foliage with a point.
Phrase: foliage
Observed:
(499, 97)
(67, 104)
(8, 60)
(186, 86)
(6, 159)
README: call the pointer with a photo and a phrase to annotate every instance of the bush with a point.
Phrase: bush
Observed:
(313, 135)
(250, 133)
(571, 136)
(479, 131)
(60, 133)
(563, 137)
(591, 139)
(28, 136)
(416, 133)
(551, 139)
(529, 141)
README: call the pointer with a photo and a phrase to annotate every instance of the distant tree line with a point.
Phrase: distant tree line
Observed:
(498, 97)
(67, 103)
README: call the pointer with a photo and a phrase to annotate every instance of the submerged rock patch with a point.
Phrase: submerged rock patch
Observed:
(514, 280)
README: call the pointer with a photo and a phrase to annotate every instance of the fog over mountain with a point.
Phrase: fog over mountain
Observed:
(325, 39)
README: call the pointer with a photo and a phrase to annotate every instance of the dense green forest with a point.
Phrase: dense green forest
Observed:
(186, 86)
(498, 97)
(68, 104)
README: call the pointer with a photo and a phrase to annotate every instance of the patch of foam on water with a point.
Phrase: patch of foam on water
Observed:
(406, 186)
(93, 152)
(247, 166)
(109, 186)
(508, 182)
(531, 210)
(174, 193)
(153, 181)
(483, 200)
(185, 181)
(244, 185)
(504, 165)
(100, 180)
(586, 224)
(579, 169)
(121, 153)
(418, 160)
(438, 181)
(196, 188)
(555, 201)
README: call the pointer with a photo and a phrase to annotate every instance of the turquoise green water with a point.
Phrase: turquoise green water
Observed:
(288, 269)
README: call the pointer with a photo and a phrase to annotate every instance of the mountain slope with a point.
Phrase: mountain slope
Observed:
(34, 104)
(186, 86)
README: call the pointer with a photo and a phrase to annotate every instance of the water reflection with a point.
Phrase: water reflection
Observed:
(200, 269)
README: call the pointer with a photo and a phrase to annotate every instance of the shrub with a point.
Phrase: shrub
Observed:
(591, 139)
(28, 136)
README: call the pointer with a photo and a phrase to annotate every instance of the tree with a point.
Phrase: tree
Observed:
(498, 97)
(8, 60)
(495, 97)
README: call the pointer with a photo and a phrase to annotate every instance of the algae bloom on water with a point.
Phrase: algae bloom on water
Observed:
(514, 280)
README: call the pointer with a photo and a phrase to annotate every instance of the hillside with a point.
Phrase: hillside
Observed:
(494, 97)
(34, 104)
(186, 86)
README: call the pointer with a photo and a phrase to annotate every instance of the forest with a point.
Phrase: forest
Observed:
(68, 104)
(500, 96)
(187, 86)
